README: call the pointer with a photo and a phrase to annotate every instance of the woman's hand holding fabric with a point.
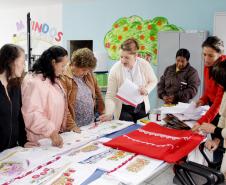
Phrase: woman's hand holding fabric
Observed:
(207, 127)
(199, 103)
(196, 127)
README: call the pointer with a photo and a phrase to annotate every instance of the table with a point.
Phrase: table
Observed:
(98, 173)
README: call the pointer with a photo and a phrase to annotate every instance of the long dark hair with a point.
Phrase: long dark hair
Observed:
(8, 54)
(218, 72)
(44, 64)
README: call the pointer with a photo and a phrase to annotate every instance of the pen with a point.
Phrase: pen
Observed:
(96, 119)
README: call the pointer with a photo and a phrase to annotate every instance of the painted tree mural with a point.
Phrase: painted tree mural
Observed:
(145, 31)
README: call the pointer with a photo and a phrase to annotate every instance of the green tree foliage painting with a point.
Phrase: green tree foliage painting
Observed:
(145, 31)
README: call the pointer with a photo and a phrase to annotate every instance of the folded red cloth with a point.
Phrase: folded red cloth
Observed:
(158, 142)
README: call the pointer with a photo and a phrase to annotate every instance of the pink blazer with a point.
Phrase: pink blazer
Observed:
(43, 108)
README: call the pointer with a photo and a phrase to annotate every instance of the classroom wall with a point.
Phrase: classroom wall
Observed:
(92, 19)
(46, 27)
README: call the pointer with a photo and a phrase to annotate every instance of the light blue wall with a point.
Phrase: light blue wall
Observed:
(92, 19)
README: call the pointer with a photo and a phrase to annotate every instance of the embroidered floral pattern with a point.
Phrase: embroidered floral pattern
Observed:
(37, 178)
(11, 168)
(118, 155)
(32, 171)
(113, 126)
(65, 178)
(90, 148)
(163, 135)
(137, 165)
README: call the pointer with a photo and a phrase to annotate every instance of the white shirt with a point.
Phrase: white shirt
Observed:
(134, 74)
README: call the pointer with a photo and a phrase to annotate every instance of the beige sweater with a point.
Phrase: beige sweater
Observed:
(115, 80)
(222, 121)
(222, 124)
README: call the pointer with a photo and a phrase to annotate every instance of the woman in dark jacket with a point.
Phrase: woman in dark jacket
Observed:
(180, 81)
(12, 130)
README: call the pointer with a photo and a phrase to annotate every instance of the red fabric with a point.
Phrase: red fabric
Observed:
(159, 147)
(213, 93)
(222, 58)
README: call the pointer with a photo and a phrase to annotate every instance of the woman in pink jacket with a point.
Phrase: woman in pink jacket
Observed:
(43, 98)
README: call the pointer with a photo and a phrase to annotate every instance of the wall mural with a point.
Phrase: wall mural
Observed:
(145, 31)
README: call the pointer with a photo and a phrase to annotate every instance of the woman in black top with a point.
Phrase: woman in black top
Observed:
(12, 130)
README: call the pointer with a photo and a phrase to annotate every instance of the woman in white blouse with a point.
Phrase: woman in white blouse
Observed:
(135, 69)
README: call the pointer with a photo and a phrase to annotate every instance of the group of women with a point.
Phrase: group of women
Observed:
(59, 95)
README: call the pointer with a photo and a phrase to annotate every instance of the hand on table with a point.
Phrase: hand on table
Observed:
(76, 129)
(56, 139)
(105, 117)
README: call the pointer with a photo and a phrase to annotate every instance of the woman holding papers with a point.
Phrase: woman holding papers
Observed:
(212, 48)
(141, 79)
(219, 75)
(12, 131)
(180, 81)
(43, 98)
(83, 94)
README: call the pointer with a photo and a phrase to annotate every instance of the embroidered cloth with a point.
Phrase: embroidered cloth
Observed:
(158, 142)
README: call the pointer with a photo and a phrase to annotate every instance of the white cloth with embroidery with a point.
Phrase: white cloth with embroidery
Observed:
(87, 151)
(17, 161)
(89, 133)
(137, 170)
(61, 171)
(114, 159)
(101, 129)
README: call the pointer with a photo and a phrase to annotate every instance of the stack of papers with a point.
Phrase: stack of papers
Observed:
(129, 93)
(185, 111)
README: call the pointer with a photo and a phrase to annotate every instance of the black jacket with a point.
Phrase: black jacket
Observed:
(182, 84)
(12, 129)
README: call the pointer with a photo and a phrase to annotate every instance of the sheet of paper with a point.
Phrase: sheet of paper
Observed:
(129, 93)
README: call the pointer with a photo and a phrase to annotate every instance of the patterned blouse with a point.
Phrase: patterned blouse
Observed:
(84, 105)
